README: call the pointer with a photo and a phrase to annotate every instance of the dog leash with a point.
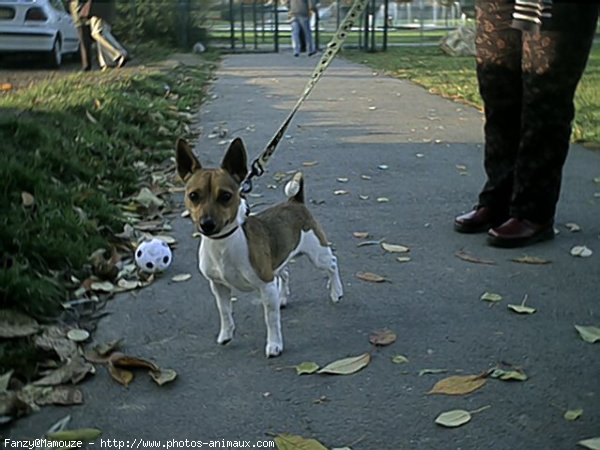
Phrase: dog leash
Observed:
(257, 168)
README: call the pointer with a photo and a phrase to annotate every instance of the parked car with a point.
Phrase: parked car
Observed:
(42, 26)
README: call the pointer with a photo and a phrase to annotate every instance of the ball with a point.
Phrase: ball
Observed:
(153, 256)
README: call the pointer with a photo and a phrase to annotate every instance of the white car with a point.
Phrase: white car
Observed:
(37, 26)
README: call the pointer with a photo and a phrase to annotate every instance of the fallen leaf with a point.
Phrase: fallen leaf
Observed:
(573, 414)
(340, 192)
(121, 376)
(382, 199)
(6, 87)
(531, 260)
(128, 285)
(342, 179)
(458, 385)
(102, 286)
(27, 200)
(347, 366)
(382, 337)
(181, 277)
(508, 375)
(361, 234)
(365, 177)
(310, 163)
(90, 117)
(491, 297)
(473, 259)
(54, 339)
(292, 442)
(521, 309)
(572, 227)
(461, 167)
(163, 376)
(78, 335)
(5, 380)
(14, 324)
(82, 434)
(591, 444)
(394, 248)
(370, 277)
(72, 372)
(166, 238)
(399, 359)
(306, 367)
(121, 360)
(581, 251)
(363, 197)
(366, 243)
(61, 395)
(431, 371)
(589, 334)
(185, 214)
(453, 419)
(403, 259)
(147, 198)
(383, 167)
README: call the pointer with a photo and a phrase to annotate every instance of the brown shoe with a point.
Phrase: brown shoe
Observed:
(479, 220)
(519, 233)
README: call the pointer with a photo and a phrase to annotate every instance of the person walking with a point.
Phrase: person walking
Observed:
(82, 26)
(299, 12)
(110, 52)
(530, 57)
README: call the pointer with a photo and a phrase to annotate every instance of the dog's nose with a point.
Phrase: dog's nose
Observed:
(207, 225)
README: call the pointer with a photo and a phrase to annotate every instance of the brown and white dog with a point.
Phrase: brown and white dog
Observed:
(249, 253)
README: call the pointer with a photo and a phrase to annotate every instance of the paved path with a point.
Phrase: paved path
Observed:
(354, 121)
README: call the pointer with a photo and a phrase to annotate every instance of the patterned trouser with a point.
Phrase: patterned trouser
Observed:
(527, 81)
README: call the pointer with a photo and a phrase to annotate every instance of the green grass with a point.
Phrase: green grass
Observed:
(72, 143)
(454, 77)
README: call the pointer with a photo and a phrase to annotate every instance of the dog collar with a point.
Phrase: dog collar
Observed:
(223, 236)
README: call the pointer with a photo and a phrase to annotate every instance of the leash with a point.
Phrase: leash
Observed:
(257, 168)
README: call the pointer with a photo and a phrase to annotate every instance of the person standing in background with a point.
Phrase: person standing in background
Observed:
(530, 57)
(110, 52)
(299, 12)
(83, 30)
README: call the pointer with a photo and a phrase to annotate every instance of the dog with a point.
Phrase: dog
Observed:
(249, 253)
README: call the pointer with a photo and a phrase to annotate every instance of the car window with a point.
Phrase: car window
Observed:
(58, 5)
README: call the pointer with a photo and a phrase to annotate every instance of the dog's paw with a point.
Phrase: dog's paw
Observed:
(273, 349)
(225, 336)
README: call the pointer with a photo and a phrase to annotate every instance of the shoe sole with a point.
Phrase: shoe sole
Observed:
(545, 235)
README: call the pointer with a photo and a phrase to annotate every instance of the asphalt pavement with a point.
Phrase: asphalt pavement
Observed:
(412, 162)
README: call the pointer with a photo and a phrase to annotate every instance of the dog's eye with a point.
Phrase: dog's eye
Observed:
(194, 197)
(224, 197)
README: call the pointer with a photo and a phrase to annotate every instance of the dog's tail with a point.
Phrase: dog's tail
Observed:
(294, 189)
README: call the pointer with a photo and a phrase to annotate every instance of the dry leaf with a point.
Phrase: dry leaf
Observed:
(363, 197)
(589, 334)
(491, 297)
(27, 200)
(458, 385)
(521, 309)
(102, 286)
(382, 337)
(5, 380)
(78, 335)
(347, 366)
(573, 414)
(431, 371)
(163, 376)
(399, 359)
(591, 444)
(5, 87)
(403, 259)
(90, 117)
(72, 372)
(394, 248)
(146, 198)
(361, 234)
(572, 227)
(508, 375)
(14, 324)
(472, 259)
(366, 243)
(370, 277)
(122, 376)
(340, 192)
(306, 367)
(342, 179)
(292, 442)
(310, 163)
(453, 419)
(365, 177)
(383, 167)
(121, 360)
(382, 199)
(82, 434)
(531, 260)
(60, 395)
(181, 277)
(581, 251)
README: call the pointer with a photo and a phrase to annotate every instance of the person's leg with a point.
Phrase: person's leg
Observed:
(553, 62)
(310, 44)
(296, 36)
(85, 46)
(102, 36)
(499, 76)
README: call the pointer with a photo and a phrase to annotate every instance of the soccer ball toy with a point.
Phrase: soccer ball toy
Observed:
(153, 256)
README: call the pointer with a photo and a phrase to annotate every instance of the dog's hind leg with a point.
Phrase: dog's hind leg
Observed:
(223, 297)
(323, 258)
(269, 294)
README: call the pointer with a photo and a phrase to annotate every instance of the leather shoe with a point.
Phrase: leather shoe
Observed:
(479, 220)
(520, 232)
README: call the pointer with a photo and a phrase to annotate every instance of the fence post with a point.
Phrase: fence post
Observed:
(183, 13)
(231, 26)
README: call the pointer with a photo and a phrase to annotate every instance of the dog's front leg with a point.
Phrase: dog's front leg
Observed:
(223, 297)
(269, 295)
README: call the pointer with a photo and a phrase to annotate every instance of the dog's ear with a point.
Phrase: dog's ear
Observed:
(187, 163)
(234, 161)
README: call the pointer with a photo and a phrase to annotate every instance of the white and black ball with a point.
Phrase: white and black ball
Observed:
(153, 256)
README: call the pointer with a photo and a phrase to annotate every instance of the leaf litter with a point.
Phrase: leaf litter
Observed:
(458, 385)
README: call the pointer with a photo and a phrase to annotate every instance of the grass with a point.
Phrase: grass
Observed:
(454, 77)
(72, 143)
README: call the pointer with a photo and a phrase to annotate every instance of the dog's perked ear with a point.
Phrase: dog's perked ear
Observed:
(187, 163)
(234, 161)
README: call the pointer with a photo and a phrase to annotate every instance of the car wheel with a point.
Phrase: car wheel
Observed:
(55, 55)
